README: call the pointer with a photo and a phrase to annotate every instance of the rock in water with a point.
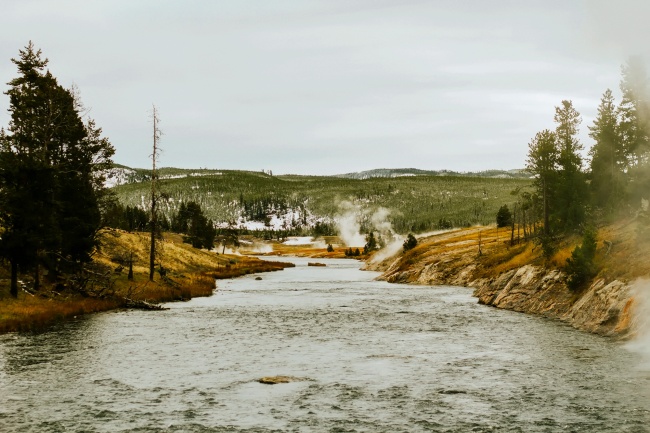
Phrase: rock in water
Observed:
(274, 380)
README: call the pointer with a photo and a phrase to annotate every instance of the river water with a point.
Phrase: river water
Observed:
(367, 356)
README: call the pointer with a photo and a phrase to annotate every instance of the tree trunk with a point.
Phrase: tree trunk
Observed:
(130, 277)
(512, 231)
(37, 278)
(546, 227)
(152, 251)
(14, 279)
(154, 155)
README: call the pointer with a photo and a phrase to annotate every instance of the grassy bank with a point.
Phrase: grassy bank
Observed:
(188, 272)
(487, 252)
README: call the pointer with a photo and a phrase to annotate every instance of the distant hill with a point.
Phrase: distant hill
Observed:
(399, 172)
(410, 200)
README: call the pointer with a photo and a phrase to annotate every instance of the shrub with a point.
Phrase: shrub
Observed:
(410, 242)
(444, 224)
(504, 217)
(371, 243)
(580, 266)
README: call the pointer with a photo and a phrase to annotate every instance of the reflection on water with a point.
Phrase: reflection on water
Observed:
(371, 357)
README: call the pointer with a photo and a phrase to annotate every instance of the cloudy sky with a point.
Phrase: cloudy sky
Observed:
(331, 86)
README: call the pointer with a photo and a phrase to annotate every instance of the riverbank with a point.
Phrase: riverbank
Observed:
(187, 273)
(516, 277)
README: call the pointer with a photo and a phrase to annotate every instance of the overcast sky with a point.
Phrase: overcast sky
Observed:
(327, 87)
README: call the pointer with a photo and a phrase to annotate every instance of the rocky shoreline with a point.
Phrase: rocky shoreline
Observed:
(604, 308)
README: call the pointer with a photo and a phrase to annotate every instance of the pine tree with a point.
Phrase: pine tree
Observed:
(570, 198)
(51, 186)
(580, 266)
(198, 229)
(633, 112)
(542, 162)
(607, 156)
(504, 217)
(410, 242)
(634, 128)
(371, 243)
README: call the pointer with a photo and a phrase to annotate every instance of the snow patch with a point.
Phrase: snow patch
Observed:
(299, 240)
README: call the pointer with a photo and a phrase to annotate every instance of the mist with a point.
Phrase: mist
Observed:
(640, 343)
(348, 225)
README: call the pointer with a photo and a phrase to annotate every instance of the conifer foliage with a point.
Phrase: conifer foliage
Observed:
(51, 181)
(199, 230)
(504, 217)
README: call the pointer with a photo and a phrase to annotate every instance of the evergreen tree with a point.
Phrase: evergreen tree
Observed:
(633, 112)
(198, 229)
(230, 236)
(580, 266)
(409, 243)
(542, 162)
(570, 196)
(504, 217)
(50, 173)
(634, 128)
(607, 156)
(371, 243)
(181, 219)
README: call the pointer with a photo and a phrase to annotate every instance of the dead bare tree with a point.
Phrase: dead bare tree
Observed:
(154, 198)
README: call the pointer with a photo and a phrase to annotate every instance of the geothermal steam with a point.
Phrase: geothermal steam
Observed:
(348, 225)
(349, 229)
(641, 342)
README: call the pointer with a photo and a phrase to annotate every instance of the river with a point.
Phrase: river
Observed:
(367, 356)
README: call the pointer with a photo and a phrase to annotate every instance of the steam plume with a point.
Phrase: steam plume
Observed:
(347, 223)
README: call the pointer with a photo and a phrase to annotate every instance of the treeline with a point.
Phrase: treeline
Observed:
(418, 203)
(52, 164)
(191, 222)
(573, 194)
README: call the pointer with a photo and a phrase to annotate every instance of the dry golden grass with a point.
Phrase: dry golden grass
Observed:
(459, 248)
(629, 241)
(563, 252)
(29, 312)
(629, 247)
(190, 273)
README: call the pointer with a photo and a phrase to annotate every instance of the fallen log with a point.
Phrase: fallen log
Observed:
(143, 305)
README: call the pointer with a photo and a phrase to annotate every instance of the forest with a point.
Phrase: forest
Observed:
(311, 204)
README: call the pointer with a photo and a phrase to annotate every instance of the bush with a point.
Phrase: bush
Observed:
(371, 243)
(410, 242)
(330, 248)
(580, 266)
(444, 224)
(504, 217)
